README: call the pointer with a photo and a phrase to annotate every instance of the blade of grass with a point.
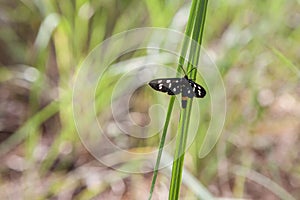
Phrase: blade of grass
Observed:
(263, 180)
(185, 114)
(161, 146)
(285, 60)
(185, 45)
(29, 127)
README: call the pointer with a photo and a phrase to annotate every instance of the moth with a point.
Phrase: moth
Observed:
(173, 86)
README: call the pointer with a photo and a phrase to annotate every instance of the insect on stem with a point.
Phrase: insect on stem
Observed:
(173, 86)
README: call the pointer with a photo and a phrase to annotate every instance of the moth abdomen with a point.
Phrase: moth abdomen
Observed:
(184, 101)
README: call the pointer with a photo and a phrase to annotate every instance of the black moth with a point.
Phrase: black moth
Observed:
(172, 86)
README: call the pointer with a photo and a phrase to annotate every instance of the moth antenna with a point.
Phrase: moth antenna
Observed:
(182, 70)
(191, 70)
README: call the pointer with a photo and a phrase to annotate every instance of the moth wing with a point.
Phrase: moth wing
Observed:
(197, 90)
(169, 85)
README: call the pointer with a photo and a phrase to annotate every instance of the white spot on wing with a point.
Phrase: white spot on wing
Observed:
(159, 81)
(168, 81)
(174, 89)
(176, 81)
(169, 84)
(160, 86)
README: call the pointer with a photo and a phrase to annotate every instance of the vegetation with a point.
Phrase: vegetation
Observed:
(44, 44)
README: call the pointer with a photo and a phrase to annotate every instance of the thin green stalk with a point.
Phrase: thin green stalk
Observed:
(179, 156)
(194, 29)
(177, 169)
(184, 49)
(161, 145)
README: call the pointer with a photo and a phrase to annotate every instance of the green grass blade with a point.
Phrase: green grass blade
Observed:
(161, 145)
(285, 60)
(266, 182)
(185, 45)
(185, 114)
(29, 127)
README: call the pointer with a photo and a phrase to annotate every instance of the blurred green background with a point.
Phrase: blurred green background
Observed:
(255, 44)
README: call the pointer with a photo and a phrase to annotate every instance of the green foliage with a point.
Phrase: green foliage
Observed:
(254, 44)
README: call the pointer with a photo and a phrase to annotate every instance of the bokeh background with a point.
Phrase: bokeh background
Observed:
(255, 45)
